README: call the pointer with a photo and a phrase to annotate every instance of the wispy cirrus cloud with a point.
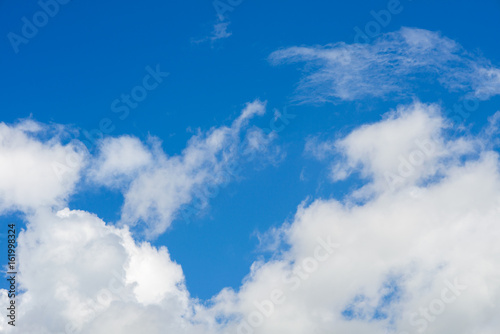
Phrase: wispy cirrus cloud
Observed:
(220, 31)
(392, 64)
(220, 27)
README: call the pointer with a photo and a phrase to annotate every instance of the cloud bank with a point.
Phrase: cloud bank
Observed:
(418, 253)
(398, 262)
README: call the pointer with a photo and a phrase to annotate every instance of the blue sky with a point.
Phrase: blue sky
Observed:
(89, 54)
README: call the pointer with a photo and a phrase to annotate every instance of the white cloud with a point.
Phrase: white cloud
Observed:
(80, 273)
(119, 160)
(159, 186)
(364, 268)
(219, 31)
(397, 253)
(36, 172)
(391, 64)
(406, 148)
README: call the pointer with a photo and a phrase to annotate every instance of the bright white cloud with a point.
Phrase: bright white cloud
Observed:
(409, 147)
(36, 172)
(159, 184)
(119, 160)
(396, 253)
(391, 64)
(420, 255)
(83, 275)
(398, 263)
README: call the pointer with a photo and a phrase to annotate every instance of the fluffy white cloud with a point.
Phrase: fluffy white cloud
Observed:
(119, 160)
(407, 147)
(391, 64)
(35, 172)
(418, 257)
(78, 273)
(406, 261)
(399, 262)
(158, 185)
(81, 275)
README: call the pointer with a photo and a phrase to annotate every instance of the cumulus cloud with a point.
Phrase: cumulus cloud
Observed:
(155, 185)
(391, 64)
(397, 263)
(119, 160)
(409, 148)
(397, 254)
(35, 168)
(419, 253)
(81, 275)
